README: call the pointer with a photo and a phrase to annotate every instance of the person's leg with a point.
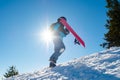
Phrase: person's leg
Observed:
(58, 50)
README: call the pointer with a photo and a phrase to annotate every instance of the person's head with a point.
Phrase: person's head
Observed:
(61, 18)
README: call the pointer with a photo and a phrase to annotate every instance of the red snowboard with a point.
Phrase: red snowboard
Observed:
(72, 31)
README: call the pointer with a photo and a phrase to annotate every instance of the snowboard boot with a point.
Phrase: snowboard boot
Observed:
(52, 64)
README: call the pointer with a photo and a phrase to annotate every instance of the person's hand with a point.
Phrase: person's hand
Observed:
(67, 31)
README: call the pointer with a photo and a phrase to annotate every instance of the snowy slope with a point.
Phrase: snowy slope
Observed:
(104, 65)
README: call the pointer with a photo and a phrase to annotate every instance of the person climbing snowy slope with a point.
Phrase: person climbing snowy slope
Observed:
(59, 32)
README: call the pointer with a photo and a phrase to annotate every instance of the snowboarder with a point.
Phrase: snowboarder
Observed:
(59, 32)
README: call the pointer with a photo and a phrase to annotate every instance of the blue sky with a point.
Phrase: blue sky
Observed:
(22, 20)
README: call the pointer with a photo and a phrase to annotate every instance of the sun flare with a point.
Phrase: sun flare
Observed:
(47, 36)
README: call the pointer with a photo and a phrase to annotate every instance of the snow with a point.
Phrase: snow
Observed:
(104, 65)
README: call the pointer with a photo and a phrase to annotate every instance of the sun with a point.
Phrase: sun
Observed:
(47, 36)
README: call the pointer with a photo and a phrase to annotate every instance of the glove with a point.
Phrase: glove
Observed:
(76, 41)
(67, 31)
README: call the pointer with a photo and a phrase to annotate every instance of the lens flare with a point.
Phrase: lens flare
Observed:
(47, 36)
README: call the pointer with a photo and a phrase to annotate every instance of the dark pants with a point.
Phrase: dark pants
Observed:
(58, 49)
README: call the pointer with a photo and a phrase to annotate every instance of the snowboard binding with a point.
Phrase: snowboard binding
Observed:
(76, 41)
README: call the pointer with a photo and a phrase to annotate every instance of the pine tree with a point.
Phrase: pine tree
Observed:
(11, 72)
(112, 37)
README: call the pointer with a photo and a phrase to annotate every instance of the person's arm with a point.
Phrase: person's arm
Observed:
(64, 30)
(67, 31)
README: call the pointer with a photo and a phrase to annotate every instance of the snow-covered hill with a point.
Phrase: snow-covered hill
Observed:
(104, 65)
